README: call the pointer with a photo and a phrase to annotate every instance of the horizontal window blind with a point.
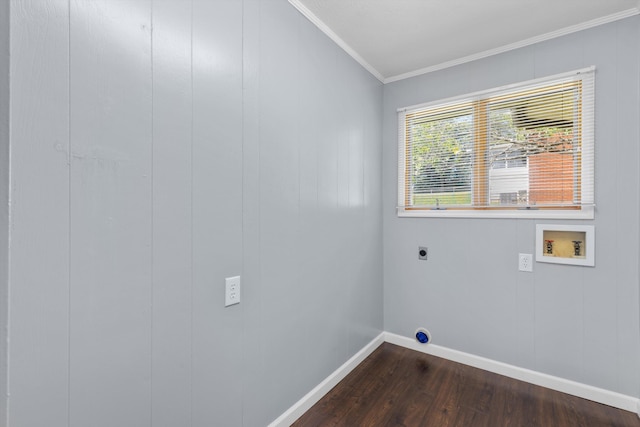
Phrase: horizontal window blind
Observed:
(526, 146)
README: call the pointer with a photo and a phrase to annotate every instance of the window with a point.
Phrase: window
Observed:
(525, 150)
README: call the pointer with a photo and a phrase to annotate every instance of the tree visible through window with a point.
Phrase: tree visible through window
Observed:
(442, 159)
(522, 148)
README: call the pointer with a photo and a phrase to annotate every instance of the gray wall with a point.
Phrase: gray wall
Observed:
(147, 166)
(4, 202)
(578, 323)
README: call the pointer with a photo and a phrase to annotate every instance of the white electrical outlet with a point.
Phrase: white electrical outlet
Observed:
(232, 291)
(525, 262)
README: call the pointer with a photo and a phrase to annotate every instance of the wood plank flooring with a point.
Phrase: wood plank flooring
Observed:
(396, 386)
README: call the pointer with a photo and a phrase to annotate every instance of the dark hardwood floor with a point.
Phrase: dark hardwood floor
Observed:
(395, 386)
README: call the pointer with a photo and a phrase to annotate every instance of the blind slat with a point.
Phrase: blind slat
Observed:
(528, 147)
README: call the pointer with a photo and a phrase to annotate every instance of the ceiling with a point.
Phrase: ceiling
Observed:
(395, 39)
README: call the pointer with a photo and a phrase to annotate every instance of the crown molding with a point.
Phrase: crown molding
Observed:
(533, 40)
(527, 42)
(336, 39)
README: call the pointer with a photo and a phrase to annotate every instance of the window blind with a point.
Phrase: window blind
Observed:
(525, 146)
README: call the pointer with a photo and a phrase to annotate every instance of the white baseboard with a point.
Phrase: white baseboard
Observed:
(617, 400)
(311, 398)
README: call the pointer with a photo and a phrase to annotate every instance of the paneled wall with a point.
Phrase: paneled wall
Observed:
(157, 147)
(4, 202)
(578, 323)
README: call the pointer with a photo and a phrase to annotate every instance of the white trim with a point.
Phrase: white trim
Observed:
(311, 398)
(336, 39)
(523, 43)
(589, 244)
(538, 82)
(587, 212)
(527, 42)
(611, 398)
(595, 394)
(462, 103)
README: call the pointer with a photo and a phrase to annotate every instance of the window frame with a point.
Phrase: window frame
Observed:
(479, 100)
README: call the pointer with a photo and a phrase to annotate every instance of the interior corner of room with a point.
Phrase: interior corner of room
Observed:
(155, 154)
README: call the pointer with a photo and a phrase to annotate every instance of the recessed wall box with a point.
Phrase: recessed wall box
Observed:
(565, 244)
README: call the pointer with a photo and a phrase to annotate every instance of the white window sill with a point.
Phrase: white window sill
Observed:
(586, 212)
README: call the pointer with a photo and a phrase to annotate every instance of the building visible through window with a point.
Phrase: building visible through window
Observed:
(529, 146)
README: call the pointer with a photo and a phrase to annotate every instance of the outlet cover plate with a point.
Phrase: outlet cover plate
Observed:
(525, 262)
(232, 291)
